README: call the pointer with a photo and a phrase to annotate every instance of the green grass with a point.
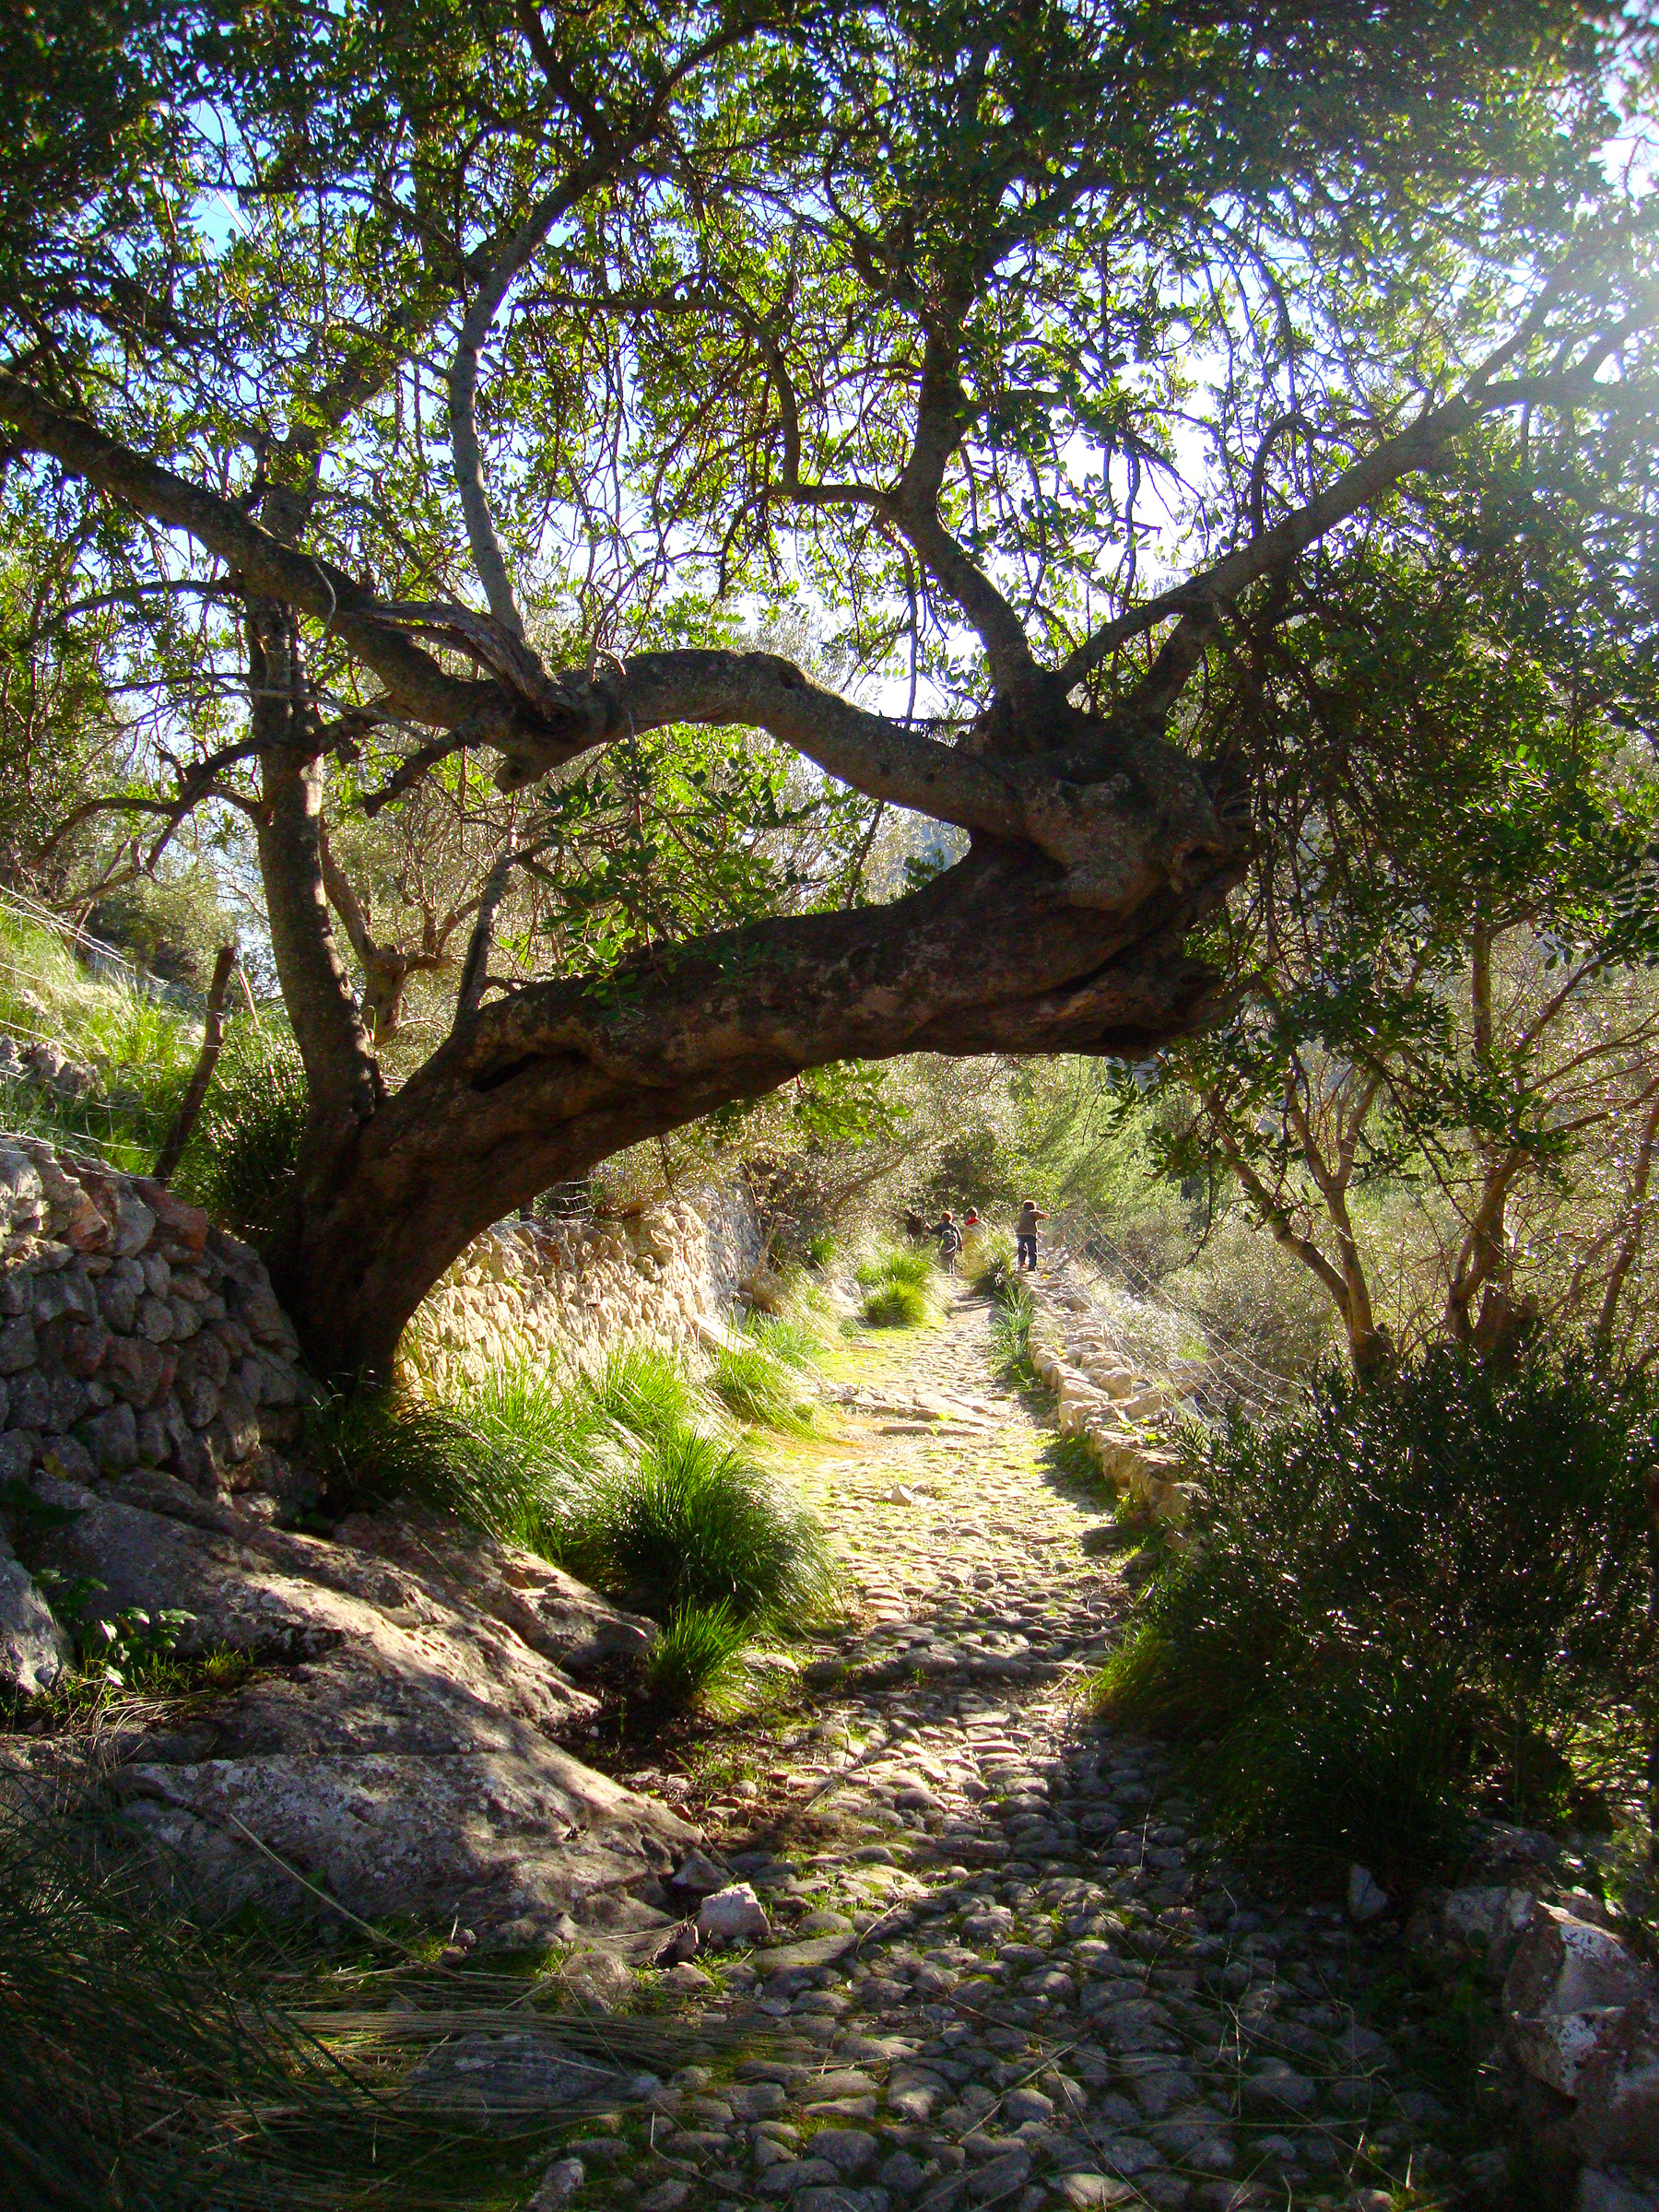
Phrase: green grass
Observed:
(752, 1382)
(698, 1655)
(631, 1481)
(689, 1520)
(1400, 1605)
(1011, 1325)
(900, 1288)
(140, 1050)
(991, 1271)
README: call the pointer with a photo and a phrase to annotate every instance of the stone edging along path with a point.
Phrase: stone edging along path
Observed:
(1005, 1967)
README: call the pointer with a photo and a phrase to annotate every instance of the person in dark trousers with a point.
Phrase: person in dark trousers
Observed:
(951, 1240)
(1025, 1234)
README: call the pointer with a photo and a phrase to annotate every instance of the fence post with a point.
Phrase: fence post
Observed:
(213, 1038)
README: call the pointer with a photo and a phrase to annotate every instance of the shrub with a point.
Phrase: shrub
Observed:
(695, 1654)
(690, 1521)
(240, 1163)
(1398, 1604)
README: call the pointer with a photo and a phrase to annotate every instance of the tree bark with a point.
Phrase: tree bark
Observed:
(201, 1076)
(538, 1087)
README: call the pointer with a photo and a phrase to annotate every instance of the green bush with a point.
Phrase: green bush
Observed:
(696, 1655)
(240, 1162)
(690, 1521)
(1399, 1605)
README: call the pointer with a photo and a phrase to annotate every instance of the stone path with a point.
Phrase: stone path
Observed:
(1006, 1968)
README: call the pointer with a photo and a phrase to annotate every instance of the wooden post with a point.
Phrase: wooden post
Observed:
(213, 1038)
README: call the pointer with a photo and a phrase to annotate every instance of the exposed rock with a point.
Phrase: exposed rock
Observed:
(396, 1754)
(734, 1915)
(554, 1613)
(1618, 2118)
(1367, 1899)
(34, 1649)
(1566, 1981)
(504, 2077)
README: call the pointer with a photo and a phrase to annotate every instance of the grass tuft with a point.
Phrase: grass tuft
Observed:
(692, 1521)
(697, 1655)
(900, 1288)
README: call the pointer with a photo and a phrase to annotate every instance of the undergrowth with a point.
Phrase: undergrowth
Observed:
(632, 1480)
(1399, 1605)
(1011, 1323)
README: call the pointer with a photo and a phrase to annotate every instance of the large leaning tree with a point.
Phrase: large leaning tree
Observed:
(1034, 353)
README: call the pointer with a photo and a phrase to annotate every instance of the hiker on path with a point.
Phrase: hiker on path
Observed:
(951, 1240)
(1025, 1234)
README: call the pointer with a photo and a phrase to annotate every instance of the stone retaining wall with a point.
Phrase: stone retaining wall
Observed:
(132, 1333)
(562, 1295)
(1119, 1410)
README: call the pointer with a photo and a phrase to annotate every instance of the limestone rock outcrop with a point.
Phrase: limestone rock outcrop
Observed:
(394, 1746)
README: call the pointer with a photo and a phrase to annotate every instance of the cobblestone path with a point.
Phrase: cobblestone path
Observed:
(1006, 1968)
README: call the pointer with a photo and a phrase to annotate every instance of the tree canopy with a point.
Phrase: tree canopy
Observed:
(417, 384)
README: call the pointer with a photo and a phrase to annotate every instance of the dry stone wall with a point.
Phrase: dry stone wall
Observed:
(134, 1334)
(562, 1295)
(1121, 1411)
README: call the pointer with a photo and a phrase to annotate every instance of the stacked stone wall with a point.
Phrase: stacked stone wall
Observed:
(563, 1295)
(134, 1334)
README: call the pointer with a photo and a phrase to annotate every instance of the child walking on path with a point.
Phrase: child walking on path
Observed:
(951, 1240)
(1025, 1234)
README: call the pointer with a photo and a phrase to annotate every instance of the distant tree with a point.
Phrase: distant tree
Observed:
(1045, 354)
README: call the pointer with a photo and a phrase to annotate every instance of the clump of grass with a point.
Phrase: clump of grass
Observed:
(1011, 1325)
(629, 1480)
(1399, 1605)
(696, 1657)
(896, 1263)
(991, 1264)
(752, 1382)
(901, 1288)
(692, 1521)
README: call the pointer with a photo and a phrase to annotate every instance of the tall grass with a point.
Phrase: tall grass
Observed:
(630, 1480)
(147, 2066)
(758, 1376)
(692, 1521)
(1011, 1323)
(1400, 1603)
(900, 1288)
